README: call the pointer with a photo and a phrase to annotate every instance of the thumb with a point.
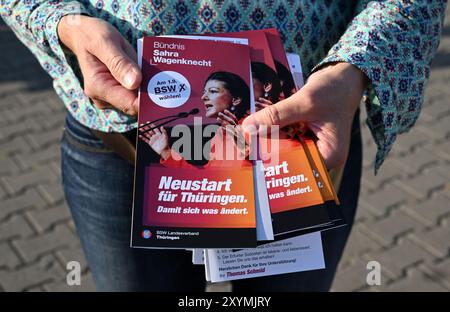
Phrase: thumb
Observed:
(283, 113)
(121, 65)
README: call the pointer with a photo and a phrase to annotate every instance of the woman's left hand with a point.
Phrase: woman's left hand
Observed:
(232, 127)
(327, 104)
(227, 118)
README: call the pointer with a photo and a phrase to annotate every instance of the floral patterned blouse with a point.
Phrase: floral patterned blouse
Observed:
(391, 41)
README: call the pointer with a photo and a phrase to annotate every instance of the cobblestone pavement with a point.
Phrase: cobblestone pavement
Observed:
(402, 221)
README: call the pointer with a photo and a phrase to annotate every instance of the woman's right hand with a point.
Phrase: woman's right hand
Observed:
(107, 61)
(157, 139)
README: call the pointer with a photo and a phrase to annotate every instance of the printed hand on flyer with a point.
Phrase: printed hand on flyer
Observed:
(232, 127)
(157, 139)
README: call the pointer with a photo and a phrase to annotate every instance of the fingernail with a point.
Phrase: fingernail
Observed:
(130, 79)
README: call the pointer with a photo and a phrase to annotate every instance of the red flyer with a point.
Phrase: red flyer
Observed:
(193, 180)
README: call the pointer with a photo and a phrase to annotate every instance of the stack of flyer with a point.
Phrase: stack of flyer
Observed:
(247, 203)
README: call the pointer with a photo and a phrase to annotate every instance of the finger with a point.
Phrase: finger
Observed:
(227, 118)
(222, 121)
(152, 127)
(260, 105)
(265, 101)
(145, 139)
(157, 131)
(148, 135)
(119, 60)
(102, 104)
(231, 115)
(148, 130)
(144, 127)
(102, 86)
(333, 142)
(163, 130)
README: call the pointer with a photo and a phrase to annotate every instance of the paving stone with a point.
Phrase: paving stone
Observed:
(394, 226)
(431, 113)
(443, 149)
(369, 153)
(48, 242)
(421, 186)
(15, 227)
(387, 172)
(2, 192)
(19, 114)
(430, 211)
(14, 130)
(394, 261)
(363, 215)
(42, 220)
(43, 156)
(19, 182)
(442, 270)
(45, 270)
(8, 167)
(52, 192)
(359, 244)
(414, 162)
(45, 138)
(415, 281)
(406, 142)
(8, 257)
(56, 122)
(442, 169)
(74, 253)
(437, 130)
(435, 240)
(14, 146)
(384, 199)
(9, 89)
(29, 199)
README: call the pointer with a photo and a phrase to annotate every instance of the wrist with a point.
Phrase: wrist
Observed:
(165, 153)
(350, 80)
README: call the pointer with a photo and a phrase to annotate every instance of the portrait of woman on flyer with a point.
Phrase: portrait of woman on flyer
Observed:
(225, 97)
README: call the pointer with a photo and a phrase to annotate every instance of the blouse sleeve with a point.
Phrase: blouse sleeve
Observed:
(35, 24)
(393, 43)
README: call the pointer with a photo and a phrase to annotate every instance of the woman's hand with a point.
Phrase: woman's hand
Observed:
(227, 118)
(107, 61)
(157, 139)
(232, 128)
(327, 103)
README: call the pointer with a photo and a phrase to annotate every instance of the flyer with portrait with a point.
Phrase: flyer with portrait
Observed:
(194, 184)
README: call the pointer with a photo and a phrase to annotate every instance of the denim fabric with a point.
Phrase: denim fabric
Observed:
(98, 186)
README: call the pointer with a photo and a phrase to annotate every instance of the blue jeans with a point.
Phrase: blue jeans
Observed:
(98, 186)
